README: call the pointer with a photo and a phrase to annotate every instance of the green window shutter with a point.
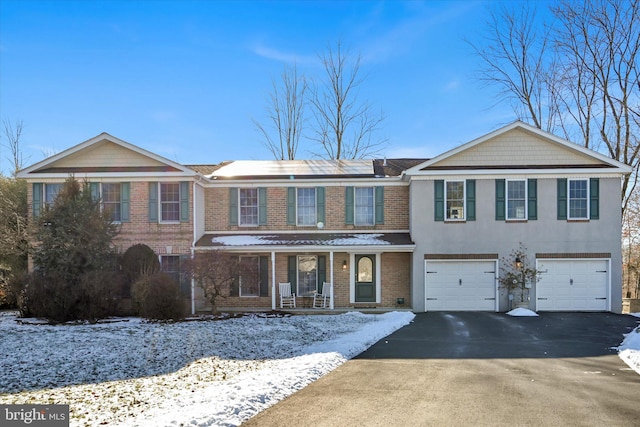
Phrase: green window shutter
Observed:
(532, 196)
(594, 198)
(320, 204)
(322, 271)
(348, 205)
(234, 290)
(95, 190)
(291, 206)
(125, 205)
(500, 200)
(562, 198)
(292, 273)
(37, 198)
(264, 276)
(233, 206)
(471, 199)
(153, 202)
(262, 206)
(438, 192)
(184, 201)
(379, 209)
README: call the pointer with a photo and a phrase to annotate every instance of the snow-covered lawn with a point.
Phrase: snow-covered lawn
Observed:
(204, 373)
(218, 373)
(629, 350)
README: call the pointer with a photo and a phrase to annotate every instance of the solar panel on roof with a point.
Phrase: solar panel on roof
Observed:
(295, 167)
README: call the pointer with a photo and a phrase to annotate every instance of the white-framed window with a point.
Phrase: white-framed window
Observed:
(454, 200)
(364, 206)
(111, 195)
(516, 199)
(307, 275)
(249, 276)
(170, 202)
(578, 199)
(51, 192)
(306, 206)
(248, 203)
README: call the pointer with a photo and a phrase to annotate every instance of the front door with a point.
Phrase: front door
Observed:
(365, 278)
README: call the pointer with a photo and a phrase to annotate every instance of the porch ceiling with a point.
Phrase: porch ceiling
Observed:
(346, 242)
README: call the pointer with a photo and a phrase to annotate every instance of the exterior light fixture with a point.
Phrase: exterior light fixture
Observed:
(518, 263)
(344, 264)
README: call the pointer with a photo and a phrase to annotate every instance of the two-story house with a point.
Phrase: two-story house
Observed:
(396, 233)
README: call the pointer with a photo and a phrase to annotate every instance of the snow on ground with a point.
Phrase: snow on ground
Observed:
(629, 350)
(522, 312)
(131, 372)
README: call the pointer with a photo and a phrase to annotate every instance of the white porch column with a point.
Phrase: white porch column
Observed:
(331, 275)
(273, 280)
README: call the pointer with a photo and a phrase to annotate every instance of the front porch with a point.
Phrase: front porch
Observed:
(364, 272)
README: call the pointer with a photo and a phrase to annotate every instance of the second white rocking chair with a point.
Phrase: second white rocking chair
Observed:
(323, 298)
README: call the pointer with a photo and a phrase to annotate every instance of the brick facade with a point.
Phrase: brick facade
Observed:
(396, 210)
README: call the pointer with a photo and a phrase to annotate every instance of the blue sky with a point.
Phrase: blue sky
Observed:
(184, 79)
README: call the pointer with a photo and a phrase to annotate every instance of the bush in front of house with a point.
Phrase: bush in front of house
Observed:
(137, 261)
(157, 296)
(94, 296)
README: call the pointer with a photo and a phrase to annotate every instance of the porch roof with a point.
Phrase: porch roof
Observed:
(295, 242)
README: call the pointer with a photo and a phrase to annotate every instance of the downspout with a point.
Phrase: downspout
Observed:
(193, 245)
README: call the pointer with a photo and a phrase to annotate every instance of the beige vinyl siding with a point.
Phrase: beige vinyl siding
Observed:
(106, 154)
(517, 148)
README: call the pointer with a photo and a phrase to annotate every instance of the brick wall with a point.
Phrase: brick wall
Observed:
(158, 236)
(396, 210)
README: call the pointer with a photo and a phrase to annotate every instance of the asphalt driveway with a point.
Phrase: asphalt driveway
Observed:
(461, 369)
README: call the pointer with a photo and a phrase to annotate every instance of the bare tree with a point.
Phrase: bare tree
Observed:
(601, 41)
(631, 248)
(217, 272)
(13, 135)
(515, 58)
(285, 107)
(345, 127)
(579, 77)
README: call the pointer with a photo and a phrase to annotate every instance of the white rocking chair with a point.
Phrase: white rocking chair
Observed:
(323, 298)
(287, 298)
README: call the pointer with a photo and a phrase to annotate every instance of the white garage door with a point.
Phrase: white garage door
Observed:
(460, 285)
(573, 285)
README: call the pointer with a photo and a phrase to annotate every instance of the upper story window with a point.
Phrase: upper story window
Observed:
(248, 202)
(112, 200)
(170, 202)
(51, 192)
(517, 199)
(578, 199)
(455, 200)
(364, 206)
(306, 206)
(454, 197)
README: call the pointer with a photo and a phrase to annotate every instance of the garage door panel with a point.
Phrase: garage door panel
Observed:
(460, 285)
(573, 285)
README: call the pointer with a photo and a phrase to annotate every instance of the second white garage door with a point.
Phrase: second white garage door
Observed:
(460, 285)
(573, 285)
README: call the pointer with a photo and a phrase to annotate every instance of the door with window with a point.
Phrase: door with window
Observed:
(365, 271)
